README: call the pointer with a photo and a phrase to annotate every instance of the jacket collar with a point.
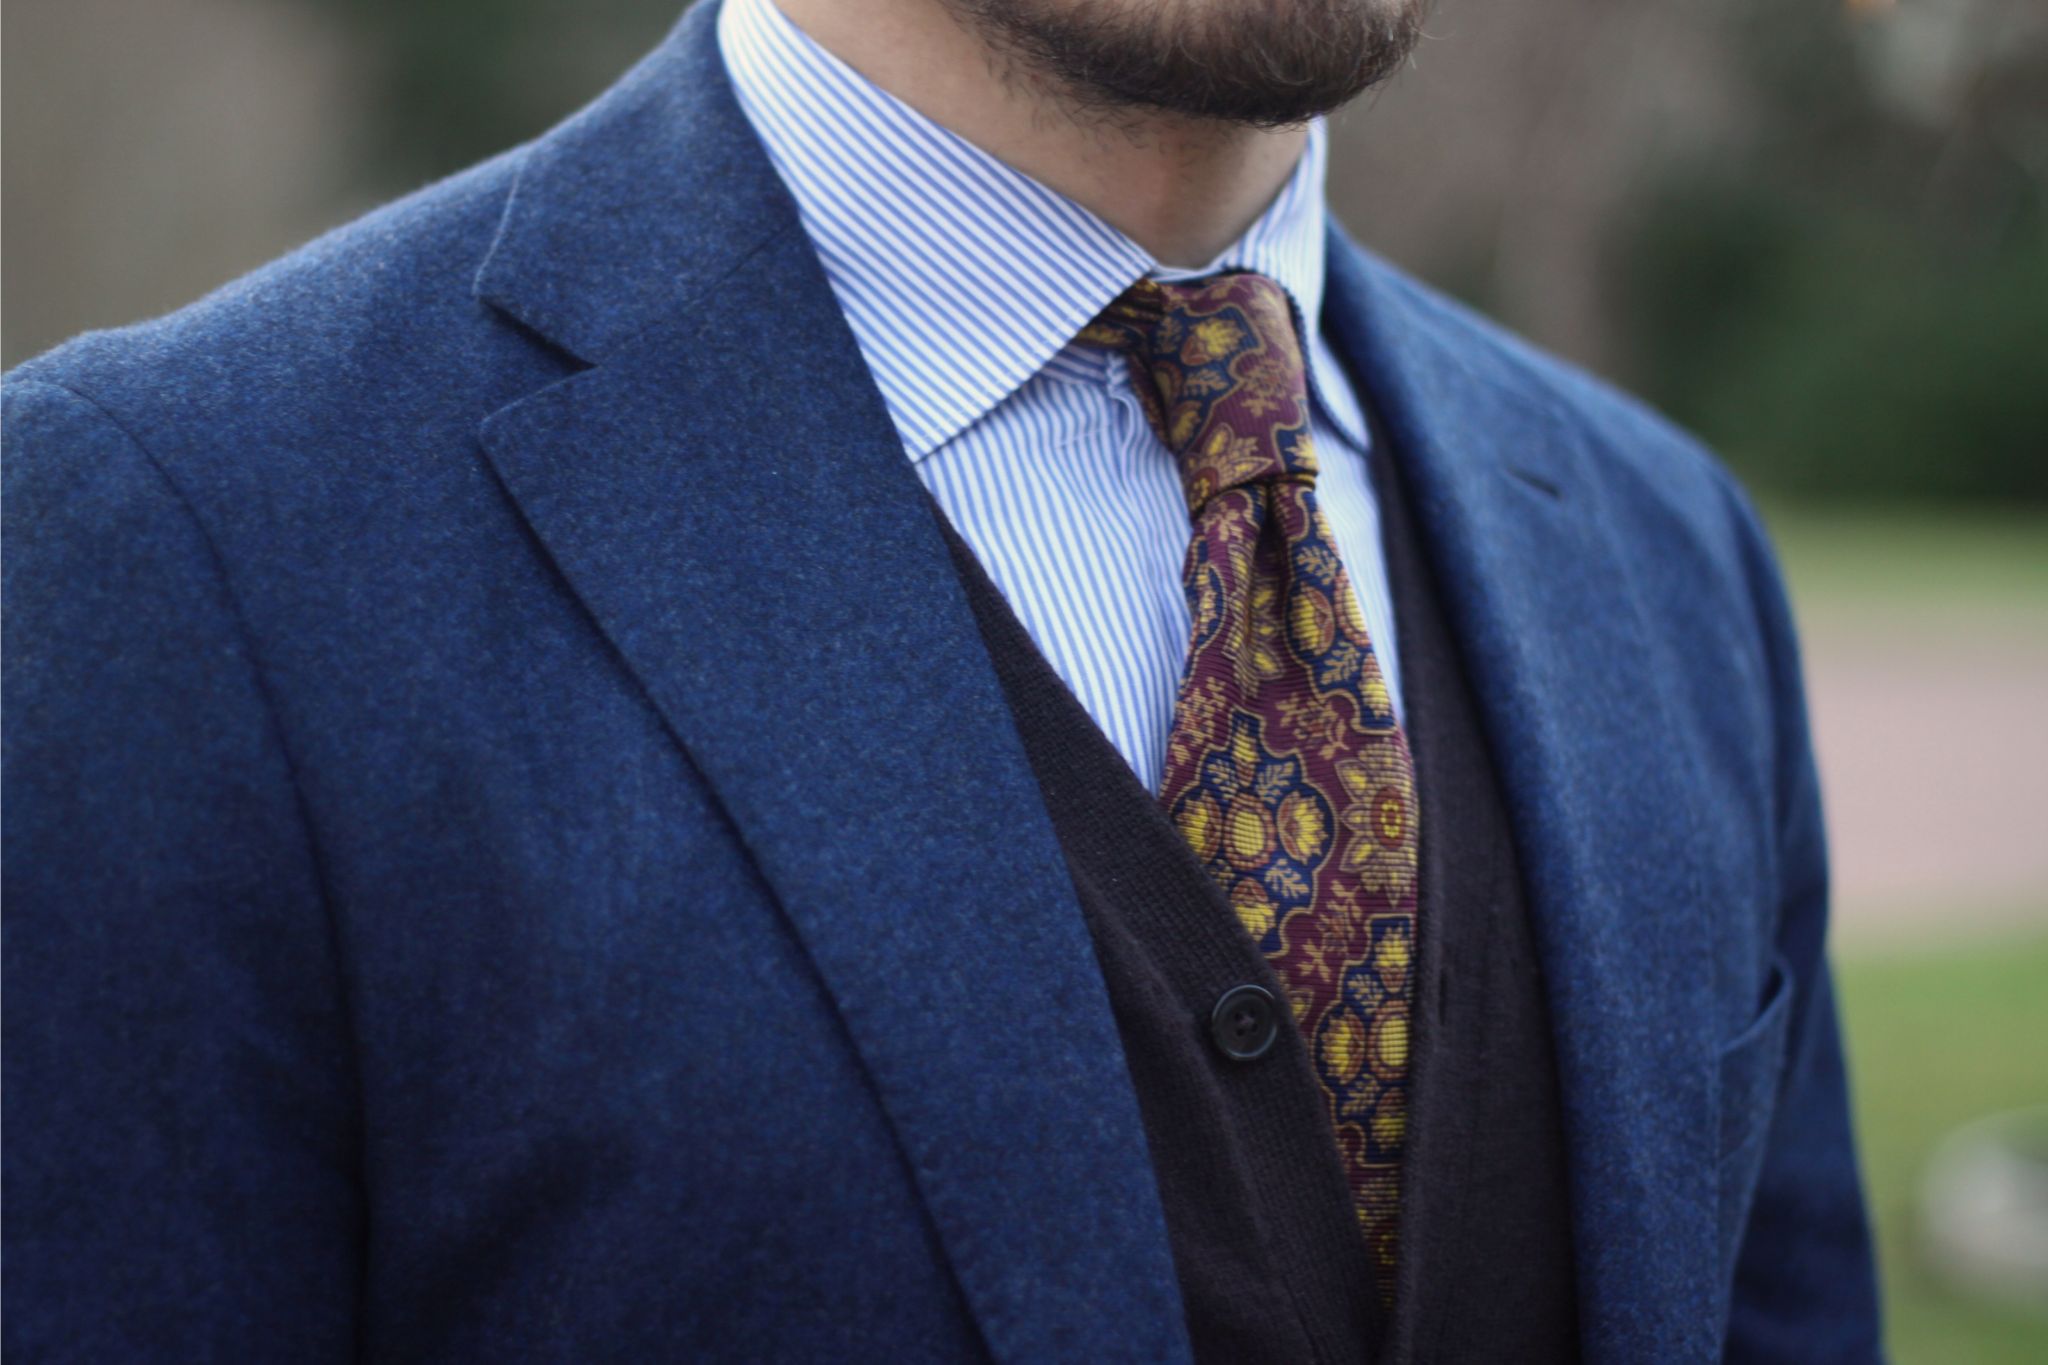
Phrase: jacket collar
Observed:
(630, 212)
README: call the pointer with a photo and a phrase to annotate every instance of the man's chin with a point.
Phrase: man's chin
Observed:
(1265, 63)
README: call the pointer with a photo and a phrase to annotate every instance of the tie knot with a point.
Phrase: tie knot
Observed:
(1220, 372)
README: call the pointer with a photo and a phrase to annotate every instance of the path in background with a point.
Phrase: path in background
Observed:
(1933, 744)
(1926, 652)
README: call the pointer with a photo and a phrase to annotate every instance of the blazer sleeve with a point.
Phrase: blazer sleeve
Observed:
(182, 1146)
(1805, 1290)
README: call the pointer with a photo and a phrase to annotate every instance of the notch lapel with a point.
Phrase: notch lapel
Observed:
(723, 490)
(1538, 592)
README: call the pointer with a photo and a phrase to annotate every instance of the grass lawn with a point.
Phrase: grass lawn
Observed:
(1937, 1037)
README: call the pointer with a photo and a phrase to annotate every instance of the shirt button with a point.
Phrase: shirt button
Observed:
(1244, 1023)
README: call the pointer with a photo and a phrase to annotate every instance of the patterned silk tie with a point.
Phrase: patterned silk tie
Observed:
(1285, 768)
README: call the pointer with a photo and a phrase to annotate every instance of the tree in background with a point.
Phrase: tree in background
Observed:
(1851, 298)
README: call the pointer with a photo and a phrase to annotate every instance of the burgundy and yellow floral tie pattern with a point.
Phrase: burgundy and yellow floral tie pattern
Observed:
(1285, 768)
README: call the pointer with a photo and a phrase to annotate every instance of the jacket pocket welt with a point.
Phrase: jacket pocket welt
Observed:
(1749, 1067)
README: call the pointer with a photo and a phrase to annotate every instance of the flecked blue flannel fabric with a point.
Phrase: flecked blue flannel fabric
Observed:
(515, 850)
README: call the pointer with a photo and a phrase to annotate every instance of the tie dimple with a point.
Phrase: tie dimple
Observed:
(1217, 366)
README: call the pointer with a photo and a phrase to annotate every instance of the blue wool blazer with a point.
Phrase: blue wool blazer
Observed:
(515, 849)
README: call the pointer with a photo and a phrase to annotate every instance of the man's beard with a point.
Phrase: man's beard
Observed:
(1265, 63)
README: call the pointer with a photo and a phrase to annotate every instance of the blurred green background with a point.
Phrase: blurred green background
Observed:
(1816, 232)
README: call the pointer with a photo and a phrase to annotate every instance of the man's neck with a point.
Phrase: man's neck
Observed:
(1182, 189)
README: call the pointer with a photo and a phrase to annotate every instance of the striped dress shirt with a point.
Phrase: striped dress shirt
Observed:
(964, 282)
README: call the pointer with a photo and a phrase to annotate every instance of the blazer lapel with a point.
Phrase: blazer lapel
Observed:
(1538, 593)
(724, 491)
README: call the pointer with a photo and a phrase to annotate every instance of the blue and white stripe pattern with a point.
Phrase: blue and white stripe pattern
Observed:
(964, 282)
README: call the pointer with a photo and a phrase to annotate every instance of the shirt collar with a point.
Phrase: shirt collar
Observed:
(960, 276)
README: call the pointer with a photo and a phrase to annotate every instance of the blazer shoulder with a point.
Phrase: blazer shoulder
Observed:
(1661, 488)
(1618, 426)
(375, 323)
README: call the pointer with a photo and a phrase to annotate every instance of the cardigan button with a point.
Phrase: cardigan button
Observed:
(1245, 1023)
